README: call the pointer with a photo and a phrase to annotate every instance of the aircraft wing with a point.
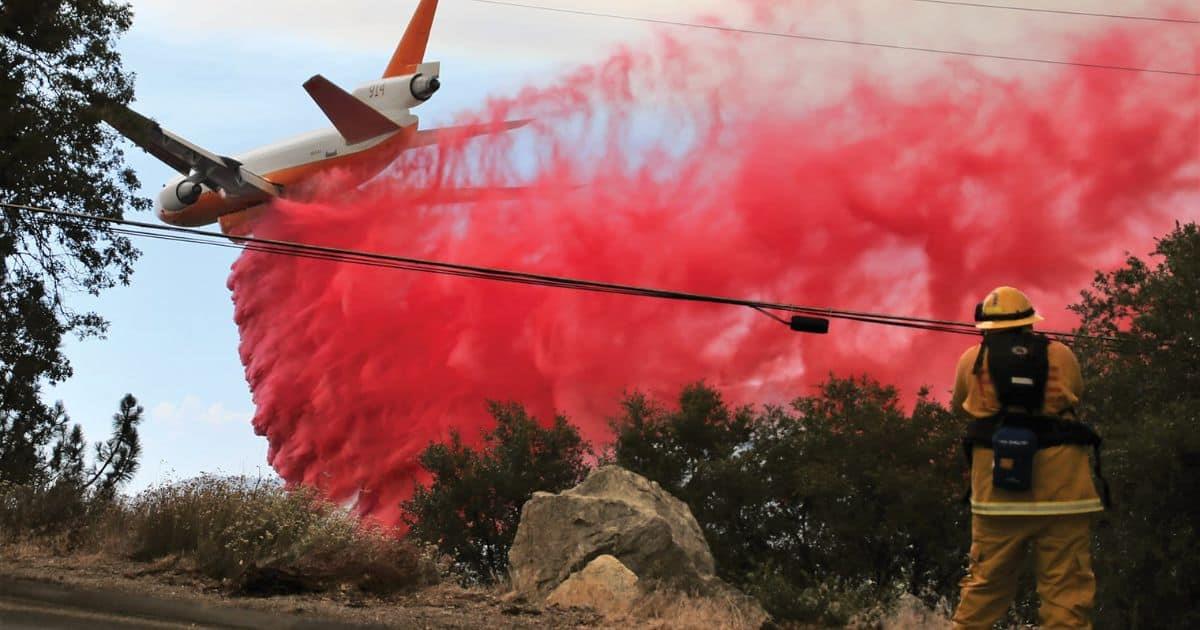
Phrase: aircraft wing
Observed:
(205, 167)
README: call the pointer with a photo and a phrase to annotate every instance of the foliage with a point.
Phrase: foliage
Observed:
(793, 501)
(53, 490)
(58, 510)
(254, 535)
(472, 506)
(117, 459)
(56, 60)
(842, 498)
(1144, 396)
(33, 441)
(247, 530)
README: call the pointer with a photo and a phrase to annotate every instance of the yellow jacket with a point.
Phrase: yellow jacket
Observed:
(1062, 478)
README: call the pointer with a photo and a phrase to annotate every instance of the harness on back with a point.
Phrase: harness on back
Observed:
(1019, 365)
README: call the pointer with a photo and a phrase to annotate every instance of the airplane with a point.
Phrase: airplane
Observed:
(371, 126)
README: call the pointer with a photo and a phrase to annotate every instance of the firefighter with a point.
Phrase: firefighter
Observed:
(1030, 480)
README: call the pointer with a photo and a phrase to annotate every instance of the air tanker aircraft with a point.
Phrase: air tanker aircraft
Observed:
(371, 126)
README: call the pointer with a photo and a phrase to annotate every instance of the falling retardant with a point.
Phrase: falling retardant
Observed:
(705, 162)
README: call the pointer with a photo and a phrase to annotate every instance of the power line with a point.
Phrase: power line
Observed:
(371, 259)
(1117, 16)
(834, 40)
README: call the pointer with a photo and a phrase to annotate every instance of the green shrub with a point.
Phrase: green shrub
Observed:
(839, 500)
(1144, 396)
(471, 508)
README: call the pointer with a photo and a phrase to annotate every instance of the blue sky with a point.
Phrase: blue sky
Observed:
(229, 80)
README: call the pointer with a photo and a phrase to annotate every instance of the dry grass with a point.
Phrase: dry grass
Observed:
(663, 609)
(252, 534)
(907, 612)
(57, 511)
(671, 609)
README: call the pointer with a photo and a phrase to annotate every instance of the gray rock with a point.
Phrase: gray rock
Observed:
(614, 512)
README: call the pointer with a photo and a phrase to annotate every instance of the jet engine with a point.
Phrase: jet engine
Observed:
(179, 195)
(394, 96)
(423, 86)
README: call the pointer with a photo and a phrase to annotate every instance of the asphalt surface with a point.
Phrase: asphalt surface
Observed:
(42, 605)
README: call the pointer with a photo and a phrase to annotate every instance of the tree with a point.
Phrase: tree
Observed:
(66, 460)
(472, 506)
(25, 436)
(677, 448)
(57, 61)
(117, 459)
(1143, 394)
(841, 494)
(57, 492)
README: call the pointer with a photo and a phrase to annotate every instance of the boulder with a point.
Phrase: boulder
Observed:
(613, 512)
(604, 584)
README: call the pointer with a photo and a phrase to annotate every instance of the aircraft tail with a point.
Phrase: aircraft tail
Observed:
(411, 50)
(354, 119)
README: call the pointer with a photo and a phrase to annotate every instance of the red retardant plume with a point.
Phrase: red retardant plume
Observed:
(712, 163)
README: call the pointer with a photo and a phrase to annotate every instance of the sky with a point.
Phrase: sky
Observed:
(228, 78)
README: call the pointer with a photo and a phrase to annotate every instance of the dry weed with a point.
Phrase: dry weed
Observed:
(662, 608)
(907, 612)
(252, 533)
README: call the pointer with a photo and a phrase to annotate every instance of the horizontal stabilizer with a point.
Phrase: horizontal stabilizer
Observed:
(354, 119)
(462, 132)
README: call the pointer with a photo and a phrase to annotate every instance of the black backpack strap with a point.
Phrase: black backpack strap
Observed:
(1078, 433)
(979, 433)
(979, 357)
(968, 447)
(1105, 497)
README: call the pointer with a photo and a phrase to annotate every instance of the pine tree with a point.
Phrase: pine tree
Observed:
(117, 459)
(66, 459)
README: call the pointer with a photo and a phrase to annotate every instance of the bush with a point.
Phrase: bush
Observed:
(264, 538)
(45, 488)
(818, 509)
(254, 535)
(1144, 397)
(472, 507)
(31, 511)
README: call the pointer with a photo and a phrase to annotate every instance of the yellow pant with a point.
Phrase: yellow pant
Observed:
(1066, 585)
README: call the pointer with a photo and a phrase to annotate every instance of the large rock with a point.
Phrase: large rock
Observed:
(614, 512)
(604, 584)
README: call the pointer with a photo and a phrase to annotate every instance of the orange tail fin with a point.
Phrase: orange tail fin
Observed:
(411, 50)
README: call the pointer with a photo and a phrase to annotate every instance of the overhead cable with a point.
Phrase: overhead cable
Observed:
(387, 261)
(1010, 7)
(834, 40)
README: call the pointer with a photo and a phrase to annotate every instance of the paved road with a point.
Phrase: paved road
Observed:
(41, 605)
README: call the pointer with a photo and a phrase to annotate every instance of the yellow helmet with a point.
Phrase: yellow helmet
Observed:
(1005, 307)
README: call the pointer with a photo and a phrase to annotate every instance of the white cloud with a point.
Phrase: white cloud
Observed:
(192, 410)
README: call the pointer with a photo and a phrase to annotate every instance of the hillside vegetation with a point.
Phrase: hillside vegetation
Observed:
(844, 499)
(829, 509)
